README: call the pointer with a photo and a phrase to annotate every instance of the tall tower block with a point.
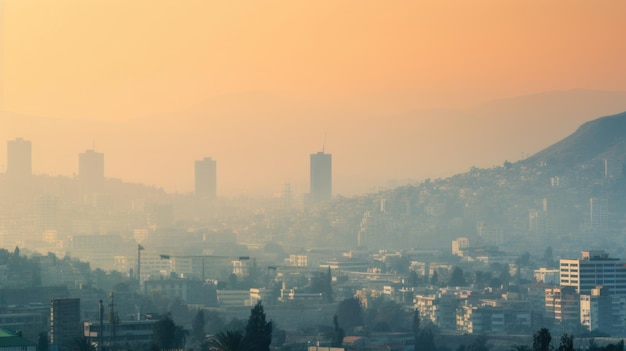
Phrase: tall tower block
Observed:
(19, 159)
(91, 170)
(205, 178)
(64, 323)
(321, 177)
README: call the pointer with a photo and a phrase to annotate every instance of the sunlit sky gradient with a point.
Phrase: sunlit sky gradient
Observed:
(121, 60)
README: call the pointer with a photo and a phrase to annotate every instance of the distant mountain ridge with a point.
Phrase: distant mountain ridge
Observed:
(251, 131)
(545, 199)
(604, 137)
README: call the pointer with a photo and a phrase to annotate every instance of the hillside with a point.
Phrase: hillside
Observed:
(601, 138)
(540, 201)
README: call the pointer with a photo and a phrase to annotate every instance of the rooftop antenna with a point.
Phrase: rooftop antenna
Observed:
(324, 143)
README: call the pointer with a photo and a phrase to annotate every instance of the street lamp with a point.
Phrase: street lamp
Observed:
(203, 257)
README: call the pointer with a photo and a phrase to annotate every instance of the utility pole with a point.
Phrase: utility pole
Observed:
(113, 319)
(101, 333)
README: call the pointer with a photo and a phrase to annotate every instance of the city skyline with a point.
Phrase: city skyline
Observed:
(378, 174)
(474, 84)
(352, 176)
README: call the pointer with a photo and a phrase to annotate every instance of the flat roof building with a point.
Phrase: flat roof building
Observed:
(595, 268)
(65, 324)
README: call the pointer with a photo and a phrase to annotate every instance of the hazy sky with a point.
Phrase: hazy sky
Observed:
(145, 62)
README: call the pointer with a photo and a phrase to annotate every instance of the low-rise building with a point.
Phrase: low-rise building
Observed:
(481, 320)
(11, 341)
(547, 276)
(141, 331)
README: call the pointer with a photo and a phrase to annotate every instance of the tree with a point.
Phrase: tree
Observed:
(279, 336)
(197, 327)
(456, 278)
(258, 330)
(505, 275)
(328, 287)
(479, 344)
(483, 278)
(434, 279)
(413, 278)
(567, 343)
(338, 333)
(524, 259)
(541, 340)
(229, 341)
(180, 336)
(164, 334)
(548, 257)
(516, 347)
(214, 322)
(619, 346)
(322, 284)
(234, 324)
(349, 313)
(384, 316)
(415, 328)
(426, 341)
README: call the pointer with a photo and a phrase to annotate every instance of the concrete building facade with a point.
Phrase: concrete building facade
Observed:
(593, 269)
(65, 324)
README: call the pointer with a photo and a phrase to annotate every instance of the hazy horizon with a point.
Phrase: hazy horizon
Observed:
(403, 91)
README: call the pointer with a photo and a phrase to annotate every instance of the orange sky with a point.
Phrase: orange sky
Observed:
(115, 60)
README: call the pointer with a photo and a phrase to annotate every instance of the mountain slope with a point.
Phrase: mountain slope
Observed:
(603, 137)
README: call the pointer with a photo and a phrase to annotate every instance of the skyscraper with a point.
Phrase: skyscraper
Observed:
(91, 169)
(19, 159)
(321, 176)
(205, 178)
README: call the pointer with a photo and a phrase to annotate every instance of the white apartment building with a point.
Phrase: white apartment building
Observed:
(594, 268)
(459, 245)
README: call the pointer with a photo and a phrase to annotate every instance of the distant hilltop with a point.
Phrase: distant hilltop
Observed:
(596, 140)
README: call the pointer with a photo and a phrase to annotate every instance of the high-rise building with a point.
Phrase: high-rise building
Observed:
(206, 178)
(321, 176)
(19, 159)
(594, 269)
(91, 169)
(65, 325)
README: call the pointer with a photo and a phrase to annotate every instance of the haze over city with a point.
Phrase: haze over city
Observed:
(305, 175)
(399, 91)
